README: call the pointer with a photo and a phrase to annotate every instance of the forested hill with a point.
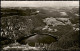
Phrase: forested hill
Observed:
(24, 21)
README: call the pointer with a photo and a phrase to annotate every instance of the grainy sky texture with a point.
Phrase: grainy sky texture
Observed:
(38, 3)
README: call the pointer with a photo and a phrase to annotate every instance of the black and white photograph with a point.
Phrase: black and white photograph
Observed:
(39, 25)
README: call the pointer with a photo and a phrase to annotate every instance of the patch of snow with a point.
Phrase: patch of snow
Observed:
(63, 13)
(46, 27)
(37, 11)
(55, 30)
(77, 14)
(73, 24)
(29, 19)
(34, 48)
(76, 29)
(49, 29)
(55, 21)
(65, 20)
(5, 48)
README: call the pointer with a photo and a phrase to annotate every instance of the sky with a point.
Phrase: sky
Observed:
(38, 3)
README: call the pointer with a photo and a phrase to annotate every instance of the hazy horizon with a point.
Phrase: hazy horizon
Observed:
(38, 3)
